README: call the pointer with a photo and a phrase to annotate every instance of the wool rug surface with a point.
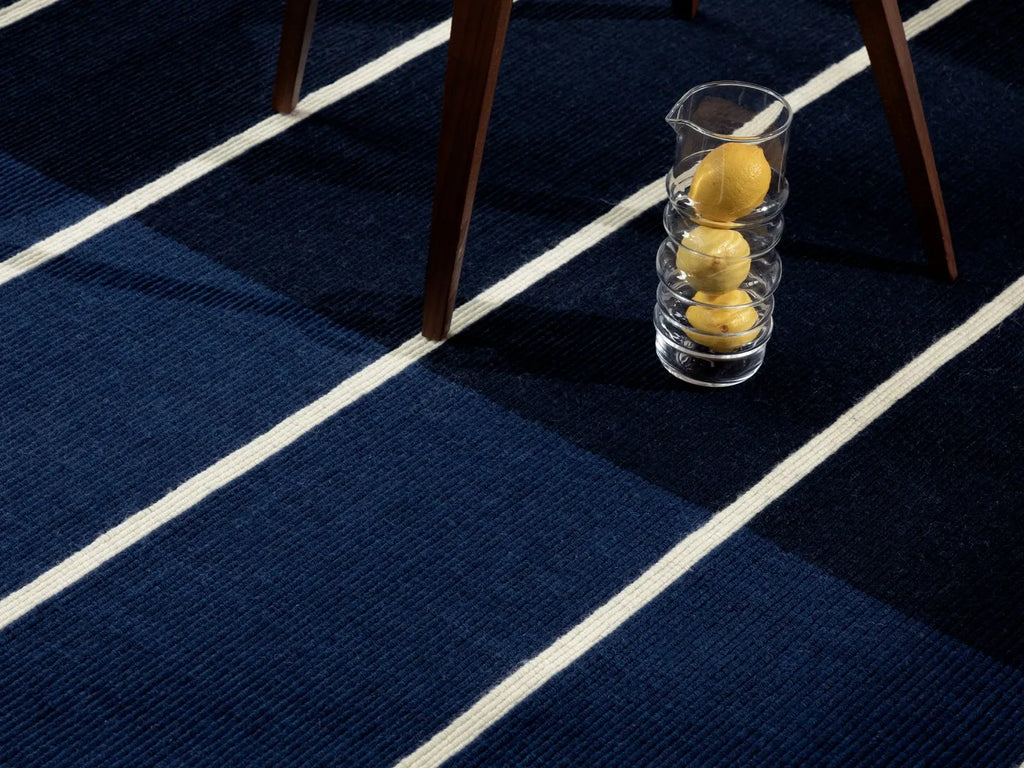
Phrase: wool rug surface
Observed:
(249, 517)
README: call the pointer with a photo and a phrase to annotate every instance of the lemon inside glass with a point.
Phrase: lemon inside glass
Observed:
(730, 182)
(714, 260)
(723, 317)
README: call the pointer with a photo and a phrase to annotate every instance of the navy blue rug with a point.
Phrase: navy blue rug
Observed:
(249, 517)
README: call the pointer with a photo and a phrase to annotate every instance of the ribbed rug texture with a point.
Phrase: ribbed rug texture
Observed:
(250, 517)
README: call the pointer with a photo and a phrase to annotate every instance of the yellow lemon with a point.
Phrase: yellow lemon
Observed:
(730, 181)
(722, 319)
(714, 260)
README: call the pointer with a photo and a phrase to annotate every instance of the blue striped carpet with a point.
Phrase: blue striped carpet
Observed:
(248, 517)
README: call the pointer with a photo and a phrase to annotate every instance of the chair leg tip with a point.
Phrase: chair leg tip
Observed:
(685, 9)
(433, 333)
(284, 106)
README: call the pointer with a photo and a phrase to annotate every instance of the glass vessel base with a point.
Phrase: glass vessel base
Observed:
(708, 370)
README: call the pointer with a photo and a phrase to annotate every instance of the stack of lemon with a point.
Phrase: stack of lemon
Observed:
(728, 184)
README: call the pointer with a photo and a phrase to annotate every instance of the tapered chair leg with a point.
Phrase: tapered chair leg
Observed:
(685, 9)
(296, 32)
(474, 57)
(886, 44)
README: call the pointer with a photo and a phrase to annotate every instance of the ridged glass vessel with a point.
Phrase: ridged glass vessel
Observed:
(717, 274)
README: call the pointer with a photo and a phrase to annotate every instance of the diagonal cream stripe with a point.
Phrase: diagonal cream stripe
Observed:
(858, 61)
(535, 672)
(63, 241)
(511, 691)
(21, 9)
(531, 272)
(237, 463)
(250, 455)
(190, 493)
(606, 619)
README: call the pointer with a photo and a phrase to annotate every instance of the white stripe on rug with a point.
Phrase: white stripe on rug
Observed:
(22, 9)
(63, 241)
(535, 672)
(250, 455)
(511, 691)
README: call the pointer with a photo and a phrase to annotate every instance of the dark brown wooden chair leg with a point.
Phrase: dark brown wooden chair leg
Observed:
(886, 44)
(474, 56)
(296, 32)
(685, 9)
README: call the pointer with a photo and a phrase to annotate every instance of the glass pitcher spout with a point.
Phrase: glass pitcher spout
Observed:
(677, 118)
(731, 110)
(722, 113)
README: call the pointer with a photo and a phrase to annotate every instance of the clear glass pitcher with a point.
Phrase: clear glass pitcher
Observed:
(722, 113)
(718, 268)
